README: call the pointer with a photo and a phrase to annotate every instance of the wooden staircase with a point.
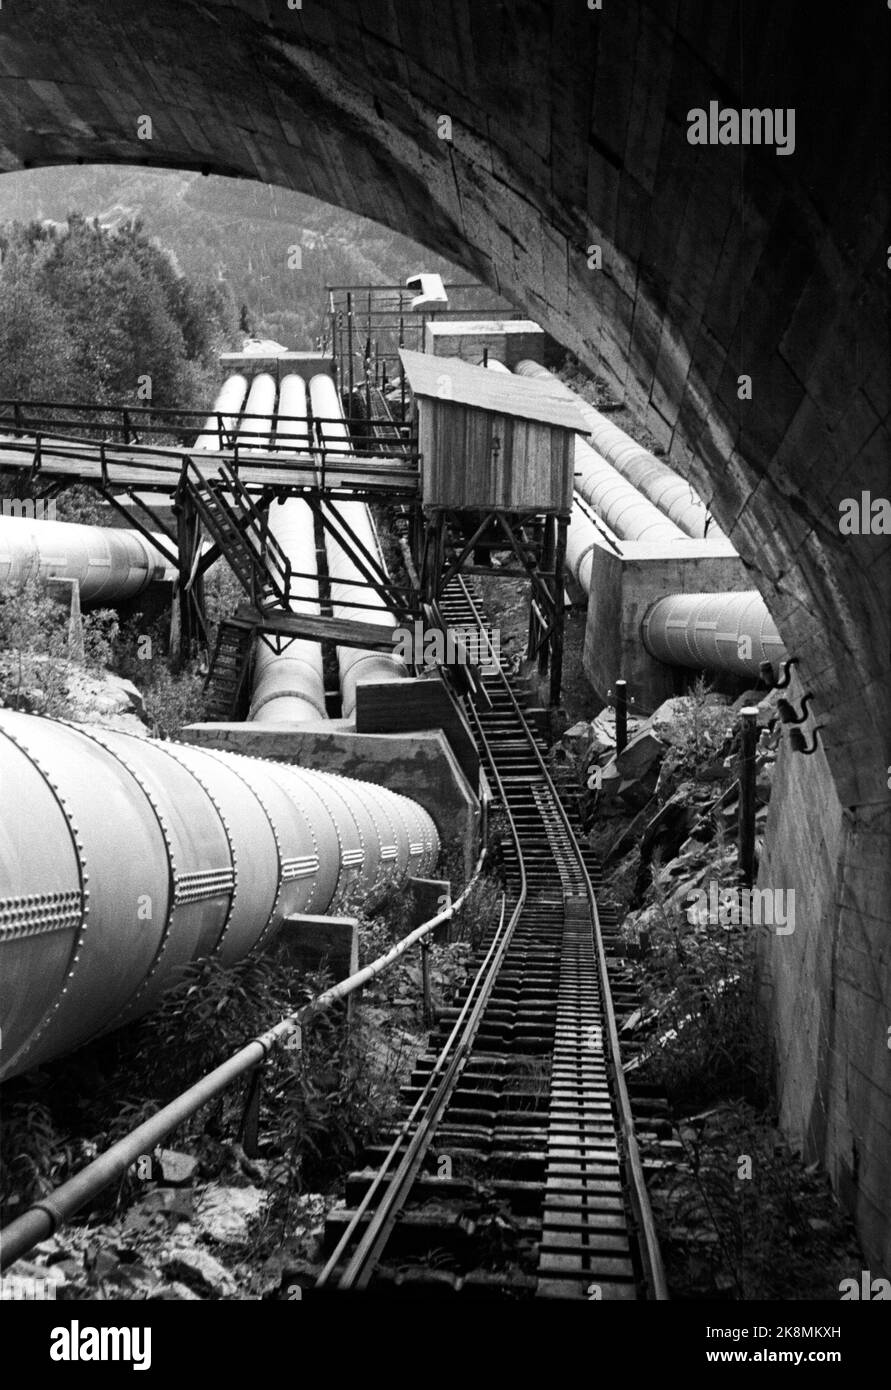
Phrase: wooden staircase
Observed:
(227, 680)
(241, 532)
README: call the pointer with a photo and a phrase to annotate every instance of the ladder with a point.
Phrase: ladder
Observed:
(226, 681)
(241, 532)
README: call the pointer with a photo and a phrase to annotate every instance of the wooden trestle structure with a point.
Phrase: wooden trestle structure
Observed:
(514, 497)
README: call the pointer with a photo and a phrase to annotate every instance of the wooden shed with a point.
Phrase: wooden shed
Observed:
(490, 439)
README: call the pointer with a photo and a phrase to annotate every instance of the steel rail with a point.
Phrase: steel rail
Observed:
(648, 1240)
(44, 1218)
(444, 1076)
(362, 1263)
(452, 1056)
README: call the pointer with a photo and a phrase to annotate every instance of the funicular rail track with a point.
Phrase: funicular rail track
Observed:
(515, 1170)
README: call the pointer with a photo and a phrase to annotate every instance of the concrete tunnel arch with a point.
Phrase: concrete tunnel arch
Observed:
(342, 101)
(717, 263)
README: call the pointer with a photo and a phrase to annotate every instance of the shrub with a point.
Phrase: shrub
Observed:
(173, 700)
(341, 1089)
(101, 633)
(703, 734)
(480, 911)
(34, 636)
(170, 699)
(700, 983)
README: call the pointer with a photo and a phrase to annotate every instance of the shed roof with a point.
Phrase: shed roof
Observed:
(499, 392)
(457, 328)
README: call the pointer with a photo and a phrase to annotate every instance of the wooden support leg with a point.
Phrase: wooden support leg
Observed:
(532, 637)
(557, 631)
(548, 598)
(186, 537)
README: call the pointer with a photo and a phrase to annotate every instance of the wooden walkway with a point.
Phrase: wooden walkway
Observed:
(158, 468)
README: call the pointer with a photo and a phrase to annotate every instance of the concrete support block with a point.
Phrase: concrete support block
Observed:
(422, 704)
(624, 586)
(507, 340)
(419, 764)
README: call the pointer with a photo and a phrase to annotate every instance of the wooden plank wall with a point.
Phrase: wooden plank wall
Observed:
(531, 469)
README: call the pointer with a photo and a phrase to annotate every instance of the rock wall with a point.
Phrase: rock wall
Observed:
(826, 988)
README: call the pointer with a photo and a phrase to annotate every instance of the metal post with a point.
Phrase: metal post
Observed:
(368, 363)
(425, 983)
(401, 367)
(350, 349)
(621, 715)
(250, 1120)
(338, 338)
(746, 825)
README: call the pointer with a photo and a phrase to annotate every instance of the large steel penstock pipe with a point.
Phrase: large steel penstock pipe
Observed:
(122, 859)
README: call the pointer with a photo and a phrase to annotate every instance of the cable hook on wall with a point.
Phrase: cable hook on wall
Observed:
(797, 741)
(787, 712)
(786, 672)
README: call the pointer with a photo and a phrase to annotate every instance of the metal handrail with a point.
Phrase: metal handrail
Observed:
(169, 458)
(44, 1218)
(122, 423)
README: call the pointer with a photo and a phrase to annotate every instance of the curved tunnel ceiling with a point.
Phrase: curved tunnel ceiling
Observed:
(569, 129)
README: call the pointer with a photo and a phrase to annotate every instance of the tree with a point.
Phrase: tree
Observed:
(87, 313)
(37, 355)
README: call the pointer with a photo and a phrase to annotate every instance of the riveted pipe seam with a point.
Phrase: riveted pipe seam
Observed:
(164, 821)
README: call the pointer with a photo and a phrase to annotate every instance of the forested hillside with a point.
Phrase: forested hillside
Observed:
(234, 233)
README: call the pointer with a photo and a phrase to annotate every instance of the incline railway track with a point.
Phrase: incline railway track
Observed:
(515, 1170)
